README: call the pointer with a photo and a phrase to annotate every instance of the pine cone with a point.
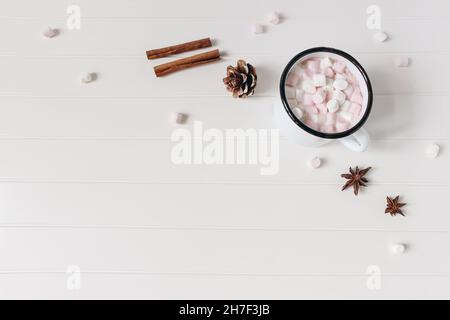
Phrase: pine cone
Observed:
(241, 81)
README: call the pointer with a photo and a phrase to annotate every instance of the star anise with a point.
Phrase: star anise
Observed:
(393, 206)
(356, 179)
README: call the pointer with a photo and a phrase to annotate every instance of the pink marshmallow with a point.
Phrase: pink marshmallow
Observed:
(312, 110)
(331, 119)
(313, 66)
(341, 125)
(355, 109)
(312, 124)
(328, 129)
(356, 97)
(292, 79)
(307, 100)
(339, 67)
(322, 108)
(348, 92)
(329, 73)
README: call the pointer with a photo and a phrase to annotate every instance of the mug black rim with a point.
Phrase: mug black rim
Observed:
(319, 134)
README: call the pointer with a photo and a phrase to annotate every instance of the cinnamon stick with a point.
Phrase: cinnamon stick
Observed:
(185, 63)
(184, 47)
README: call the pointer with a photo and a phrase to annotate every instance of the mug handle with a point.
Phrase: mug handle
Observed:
(358, 142)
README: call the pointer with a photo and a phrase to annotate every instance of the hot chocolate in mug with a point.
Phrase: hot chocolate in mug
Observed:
(325, 72)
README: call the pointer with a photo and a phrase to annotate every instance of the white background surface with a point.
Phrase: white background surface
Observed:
(86, 177)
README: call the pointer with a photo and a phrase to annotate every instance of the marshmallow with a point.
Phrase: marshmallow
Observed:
(339, 67)
(292, 79)
(177, 118)
(348, 92)
(311, 110)
(322, 108)
(50, 32)
(329, 72)
(328, 129)
(319, 80)
(87, 77)
(313, 125)
(380, 36)
(313, 66)
(333, 105)
(298, 113)
(345, 115)
(319, 97)
(355, 109)
(346, 106)
(356, 97)
(398, 248)
(340, 76)
(402, 62)
(341, 126)
(331, 119)
(315, 162)
(432, 151)
(340, 84)
(307, 100)
(290, 92)
(299, 94)
(339, 96)
(309, 87)
(292, 102)
(325, 63)
(273, 18)
(257, 28)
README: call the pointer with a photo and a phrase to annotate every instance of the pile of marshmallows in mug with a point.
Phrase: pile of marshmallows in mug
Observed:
(324, 94)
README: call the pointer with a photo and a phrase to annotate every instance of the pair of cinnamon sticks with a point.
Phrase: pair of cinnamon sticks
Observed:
(185, 63)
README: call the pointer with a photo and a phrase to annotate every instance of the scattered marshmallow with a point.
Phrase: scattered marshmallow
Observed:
(307, 100)
(340, 84)
(315, 162)
(380, 36)
(87, 77)
(329, 72)
(356, 97)
(257, 28)
(299, 94)
(292, 103)
(313, 66)
(432, 150)
(177, 118)
(319, 80)
(333, 105)
(346, 105)
(402, 62)
(322, 107)
(339, 67)
(398, 248)
(273, 18)
(49, 32)
(346, 115)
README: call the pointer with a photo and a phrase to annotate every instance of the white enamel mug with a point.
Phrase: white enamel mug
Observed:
(356, 138)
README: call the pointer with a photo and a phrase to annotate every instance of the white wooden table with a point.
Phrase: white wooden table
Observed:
(86, 179)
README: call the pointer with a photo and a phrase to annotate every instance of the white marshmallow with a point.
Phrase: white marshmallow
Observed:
(319, 80)
(325, 63)
(292, 103)
(402, 62)
(257, 28)
(340, 76)
(299, 94)
(333, 105)
(339, 96)
(398, 248)
(298, 112)
(432, 151)
(314, 117)
(347, 116)
(315, 162)
(177, 118)
(290, 92)
(273, 18)
(346, 105)
(308, 86)
(340, 84)
(380, 36)
(87, 77)
(319, 97)
(50, 32)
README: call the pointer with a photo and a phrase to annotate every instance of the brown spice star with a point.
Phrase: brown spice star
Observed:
(355, 179)
(393, 206)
